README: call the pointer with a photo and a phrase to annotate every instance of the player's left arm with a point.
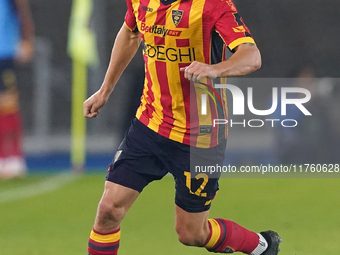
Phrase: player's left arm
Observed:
(237, 37)
(245, 60)
(26, 47)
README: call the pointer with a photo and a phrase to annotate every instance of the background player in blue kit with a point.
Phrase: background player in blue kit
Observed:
(16, 46)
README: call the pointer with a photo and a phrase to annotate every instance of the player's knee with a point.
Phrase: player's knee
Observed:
(108, 211)
(189, 238)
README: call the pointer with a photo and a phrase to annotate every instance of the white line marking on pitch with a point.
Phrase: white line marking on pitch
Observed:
(44, 186)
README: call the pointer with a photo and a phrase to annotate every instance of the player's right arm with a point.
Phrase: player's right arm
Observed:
(125, 47)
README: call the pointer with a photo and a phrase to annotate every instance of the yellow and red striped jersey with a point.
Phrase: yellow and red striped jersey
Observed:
(176, 33)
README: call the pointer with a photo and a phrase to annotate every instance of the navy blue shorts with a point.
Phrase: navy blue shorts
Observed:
(145, 156)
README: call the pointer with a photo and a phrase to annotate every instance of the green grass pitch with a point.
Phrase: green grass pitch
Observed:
(304, 211)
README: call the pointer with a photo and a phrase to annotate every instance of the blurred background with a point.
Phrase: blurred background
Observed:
(292, 35)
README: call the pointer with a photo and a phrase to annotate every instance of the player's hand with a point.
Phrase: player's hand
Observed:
(197, 70)
(93, 104)
(25, 51)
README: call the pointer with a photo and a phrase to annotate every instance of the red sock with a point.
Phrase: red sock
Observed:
(227, 237)
(18, 135)
(2, 132)
(10, 135)
(104, 244)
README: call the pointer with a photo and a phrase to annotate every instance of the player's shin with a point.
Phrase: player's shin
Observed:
(228, 237)
(104, 244)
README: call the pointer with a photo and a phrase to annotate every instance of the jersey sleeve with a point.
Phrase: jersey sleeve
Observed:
(130, 18)
(232, 29)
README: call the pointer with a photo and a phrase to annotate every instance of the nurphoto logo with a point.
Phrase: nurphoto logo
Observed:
(239, 104)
